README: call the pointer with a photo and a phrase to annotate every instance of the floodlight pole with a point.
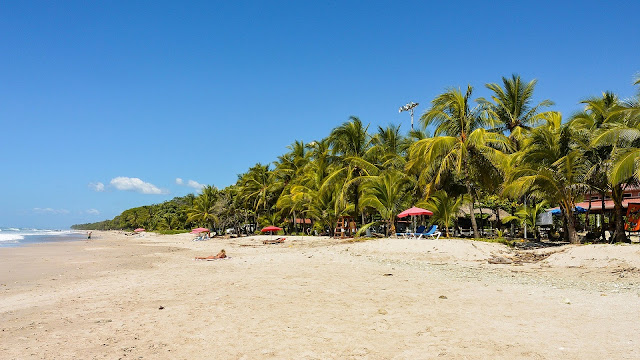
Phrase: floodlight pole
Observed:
(409, 107)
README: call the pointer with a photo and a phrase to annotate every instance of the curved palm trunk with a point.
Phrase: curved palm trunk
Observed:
(619, 234)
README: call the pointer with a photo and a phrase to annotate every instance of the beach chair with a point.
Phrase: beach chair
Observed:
(418, 232)
(432, 233)
(436, 234)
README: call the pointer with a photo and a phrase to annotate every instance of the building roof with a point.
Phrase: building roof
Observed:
(596, 205)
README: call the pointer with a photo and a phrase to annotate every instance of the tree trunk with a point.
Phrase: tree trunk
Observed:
(473, 214)
(587, 216)
(295, 226)
(572, 235)
(356, 201)
(619, 235)
(332, 228)
(571, 232)
(482, 222)
(387, 226)
(602, 228)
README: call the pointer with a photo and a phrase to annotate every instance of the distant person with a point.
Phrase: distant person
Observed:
(89, 236)
(221, 255)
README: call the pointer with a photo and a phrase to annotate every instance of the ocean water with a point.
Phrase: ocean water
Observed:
(10, 237)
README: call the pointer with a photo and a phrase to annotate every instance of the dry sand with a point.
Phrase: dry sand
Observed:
(130, 297)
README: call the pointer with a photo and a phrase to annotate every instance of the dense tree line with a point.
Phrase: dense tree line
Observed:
(505, 152)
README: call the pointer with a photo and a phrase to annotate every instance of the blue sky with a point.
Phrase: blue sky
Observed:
(103, 105)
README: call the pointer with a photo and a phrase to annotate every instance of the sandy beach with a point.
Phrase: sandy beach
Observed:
(145, 297)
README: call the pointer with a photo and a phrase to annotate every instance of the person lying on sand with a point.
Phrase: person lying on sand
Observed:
(221, 255)
(276, 241)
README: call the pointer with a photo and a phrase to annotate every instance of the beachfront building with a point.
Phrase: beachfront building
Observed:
(600, 207)
(594, 201)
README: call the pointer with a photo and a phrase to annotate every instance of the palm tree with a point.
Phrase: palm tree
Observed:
(289, 169)
(527, 215)
(389, 148)
(350, 142)
(325, 208)
(256, 186)
(274, 219)
(203, 212)
(290, 164)
(445, 209)
(210, 191)
(512, 108)
(387, 194)
(550, 167)
(621, 134)
(460, 143)
(599, 114)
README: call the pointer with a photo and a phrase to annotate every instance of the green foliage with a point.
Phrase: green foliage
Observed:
(462, 146)
(445, 209)
(372, 176)
(526, 215)
(170, 232)
(387, 194)
(169, 215)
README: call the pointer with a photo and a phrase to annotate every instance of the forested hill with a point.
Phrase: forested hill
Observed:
(169, 215)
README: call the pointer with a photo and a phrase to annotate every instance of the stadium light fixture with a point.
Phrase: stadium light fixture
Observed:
(409, 107)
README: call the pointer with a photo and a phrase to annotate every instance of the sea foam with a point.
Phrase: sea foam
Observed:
(11, 237)
(17, 235)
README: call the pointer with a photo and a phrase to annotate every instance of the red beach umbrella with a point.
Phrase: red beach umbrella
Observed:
(139, 230)
(199, 230)
(415, 211)
(270, 228)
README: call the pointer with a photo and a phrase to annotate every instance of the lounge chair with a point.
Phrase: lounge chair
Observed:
(419, 231)
(274, 241)
(432, 233)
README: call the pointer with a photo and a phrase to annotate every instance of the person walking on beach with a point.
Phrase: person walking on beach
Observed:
(89, 236)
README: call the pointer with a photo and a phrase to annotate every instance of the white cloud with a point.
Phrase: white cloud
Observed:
(190, 183)
(93, 212)
(99, 187)
(194, 184)
(50, 211)
(135, 184)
